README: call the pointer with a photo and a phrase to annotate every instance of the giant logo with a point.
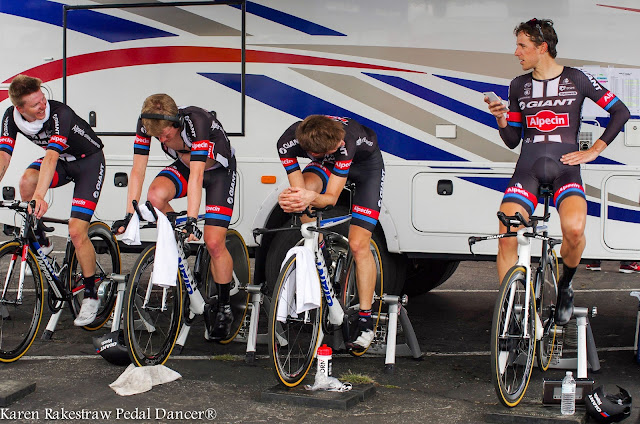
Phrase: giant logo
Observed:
(324, 282)
(547, 120)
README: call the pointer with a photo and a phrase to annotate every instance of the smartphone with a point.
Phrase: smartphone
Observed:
(493, 97)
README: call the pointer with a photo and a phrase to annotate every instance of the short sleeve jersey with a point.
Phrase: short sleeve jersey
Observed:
(202, 135)
(550, 110)
(359, 144)
(64, 131)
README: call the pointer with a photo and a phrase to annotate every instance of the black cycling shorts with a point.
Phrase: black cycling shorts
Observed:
(539, 163)
(88, 175)
(368, 178)
(219, 184)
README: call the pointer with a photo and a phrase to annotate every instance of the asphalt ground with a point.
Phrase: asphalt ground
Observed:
(451, 384)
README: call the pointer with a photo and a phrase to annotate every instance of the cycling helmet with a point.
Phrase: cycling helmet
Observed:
(111, 347)
(605, 408)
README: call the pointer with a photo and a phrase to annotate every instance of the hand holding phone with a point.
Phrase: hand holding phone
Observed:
(493, 97)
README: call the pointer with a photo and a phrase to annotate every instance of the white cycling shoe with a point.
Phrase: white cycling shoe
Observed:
(88, 312)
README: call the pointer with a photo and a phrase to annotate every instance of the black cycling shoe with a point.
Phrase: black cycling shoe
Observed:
(564, 305)
(222, 324)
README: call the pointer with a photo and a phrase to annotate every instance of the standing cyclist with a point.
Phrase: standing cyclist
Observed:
(339, 148)
(203, 156)
(73, 153)
(544, 111)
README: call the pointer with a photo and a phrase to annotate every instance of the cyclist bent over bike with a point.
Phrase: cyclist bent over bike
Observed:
(544, 111)
(73, 152)
(340, 149)
(203, 156)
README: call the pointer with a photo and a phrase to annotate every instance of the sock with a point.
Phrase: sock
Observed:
(90, 287)
(567, 276)
(365, 321)
(223, 293)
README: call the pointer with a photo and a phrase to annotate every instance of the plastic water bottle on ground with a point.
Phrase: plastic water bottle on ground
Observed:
(324, 361)
(568, 400)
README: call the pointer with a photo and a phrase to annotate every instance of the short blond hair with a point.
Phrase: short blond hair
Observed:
(21, 86)
(161, 104)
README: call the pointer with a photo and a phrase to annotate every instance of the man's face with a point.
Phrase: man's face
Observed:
(34, 107)
(528, 54)
(168, 133)
(319, 155)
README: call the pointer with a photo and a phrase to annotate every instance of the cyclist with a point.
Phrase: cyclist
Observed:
(339, 149)
(203, 158)
(73, 152)
(544, 111)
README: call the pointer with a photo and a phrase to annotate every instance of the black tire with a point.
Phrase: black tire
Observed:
(241, 277)
(107, 262)
(424, 275)
(19, 321)
(292, 344)
(512, 355)
(349, 287)
(547, 292)
(151, 329)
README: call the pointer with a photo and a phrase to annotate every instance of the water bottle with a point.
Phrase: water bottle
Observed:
(568, 401)
(324, 361)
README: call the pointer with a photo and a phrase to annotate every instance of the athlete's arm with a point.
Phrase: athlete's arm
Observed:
(5, 159)
(297, 198)
(138, 171)
(194, 190)
(510, 127)
(45, 176)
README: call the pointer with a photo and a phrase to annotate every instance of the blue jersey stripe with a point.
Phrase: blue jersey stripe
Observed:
(217, 216)
(364, 218)
(81, 210)
(571, 190)
(173, 177)
(528, 202)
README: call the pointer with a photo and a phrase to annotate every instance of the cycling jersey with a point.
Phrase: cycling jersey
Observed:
(219, 184)
(64, 131)
(359, 160)
(546, 115)
(202, 135)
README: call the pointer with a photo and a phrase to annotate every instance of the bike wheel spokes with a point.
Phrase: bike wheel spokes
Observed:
(153, 315)
(513, 338)
(20, 305)
(292, 336)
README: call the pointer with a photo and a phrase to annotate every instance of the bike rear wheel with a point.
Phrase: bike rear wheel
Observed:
(512, 351)
(107, 262)
(349, 287)
(20, 314)
(547, 293)
(152, 313)
(292, 337)
(241, 277)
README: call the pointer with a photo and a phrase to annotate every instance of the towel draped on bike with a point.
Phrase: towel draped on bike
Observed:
(303, 284)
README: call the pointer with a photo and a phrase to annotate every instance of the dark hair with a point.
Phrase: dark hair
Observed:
(319, 133)
(23, 85)
(540, 31)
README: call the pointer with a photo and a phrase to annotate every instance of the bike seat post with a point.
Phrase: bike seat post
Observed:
(546, 192)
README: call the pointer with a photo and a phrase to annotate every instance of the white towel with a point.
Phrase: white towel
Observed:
(136, 380)
(165, 264)
(30, 128)
(303, 282)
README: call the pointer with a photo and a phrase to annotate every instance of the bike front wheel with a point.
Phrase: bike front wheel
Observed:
(547, 293)
(20, 306)
(513, 347)
(107, 262)
(152, 313)
(293, 336)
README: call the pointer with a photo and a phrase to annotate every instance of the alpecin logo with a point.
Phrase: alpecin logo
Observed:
(200, 145)
(343, 164)
(365, 211)
(288, 161)
(547, 120)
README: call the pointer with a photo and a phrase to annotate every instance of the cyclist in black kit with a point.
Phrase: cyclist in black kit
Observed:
(544, 111)
(73, 152)
(340, 149)
(203, 156)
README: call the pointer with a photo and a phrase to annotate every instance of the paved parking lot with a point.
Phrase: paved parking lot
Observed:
(450, 384)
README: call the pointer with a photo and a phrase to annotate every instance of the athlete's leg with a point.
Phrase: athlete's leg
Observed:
(359, 243)
(508, 246)
(28, 184)
(221, 261)
(86, 254)
(161, 191)
(573, 217)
